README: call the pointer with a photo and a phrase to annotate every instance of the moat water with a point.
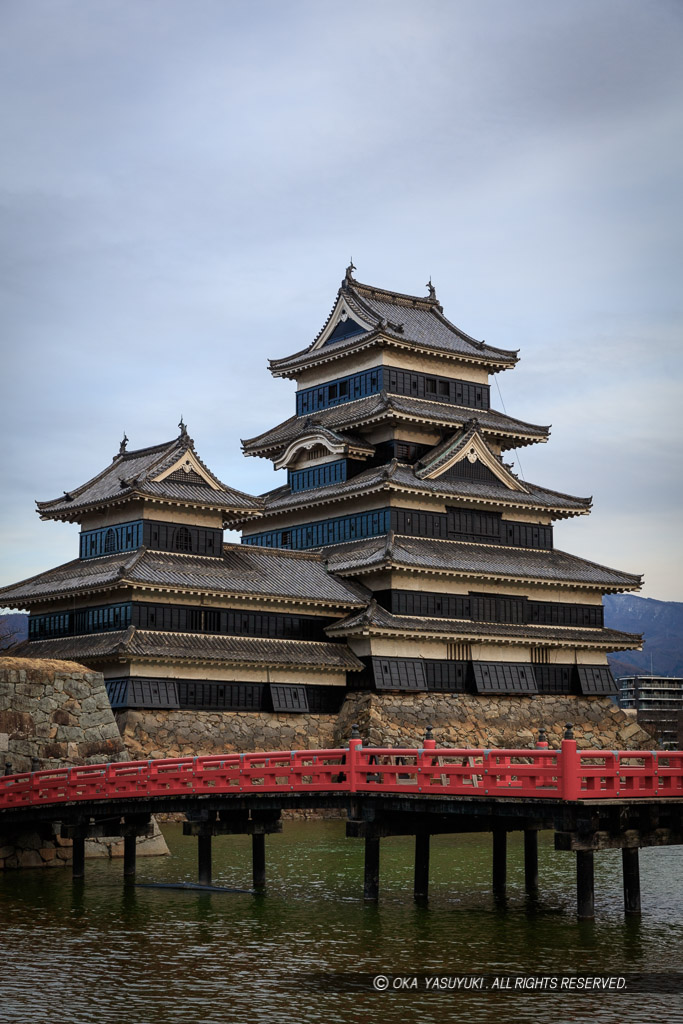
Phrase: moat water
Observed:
(100, 952)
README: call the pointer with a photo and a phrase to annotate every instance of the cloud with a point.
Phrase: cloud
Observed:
(182, 188)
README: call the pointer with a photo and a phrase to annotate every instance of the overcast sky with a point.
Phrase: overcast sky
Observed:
(183, 183)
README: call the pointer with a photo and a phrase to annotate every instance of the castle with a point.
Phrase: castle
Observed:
(402, 564)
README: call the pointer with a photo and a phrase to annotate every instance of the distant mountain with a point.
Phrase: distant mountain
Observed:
(660, 622)
(13, 628)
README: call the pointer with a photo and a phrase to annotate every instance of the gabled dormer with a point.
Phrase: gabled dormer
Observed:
(318, 444)
(465, 454)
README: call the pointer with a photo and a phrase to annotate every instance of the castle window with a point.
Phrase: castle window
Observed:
(444, 388)
(316, 452)
(109, 542)
(460, 652)
(183, 539)
(430, 386)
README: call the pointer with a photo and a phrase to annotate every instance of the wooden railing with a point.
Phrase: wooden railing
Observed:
(565, 774)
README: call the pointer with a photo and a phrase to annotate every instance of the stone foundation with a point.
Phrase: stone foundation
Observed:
(29, 850)
(468, 720)
(187, 733)
(57, 713)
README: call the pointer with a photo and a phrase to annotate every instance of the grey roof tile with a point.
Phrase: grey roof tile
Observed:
(242, 571)
(407, 318)
(300, 654)
(378, 620)
(400, 476)
(131, 473)
(463, 558)
(381, 406)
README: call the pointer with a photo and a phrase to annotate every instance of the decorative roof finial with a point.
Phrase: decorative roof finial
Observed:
(349, 270)
(431, 289)
(183, 428)
(122, 446)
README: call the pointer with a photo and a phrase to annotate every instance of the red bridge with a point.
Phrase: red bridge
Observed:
(592, 799)
(566, 774)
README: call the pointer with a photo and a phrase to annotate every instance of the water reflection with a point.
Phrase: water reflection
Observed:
(105, 951)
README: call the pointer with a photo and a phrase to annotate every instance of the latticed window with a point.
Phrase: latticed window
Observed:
(183, 539)
(460, 652)
(316, 452)
(109, 542)
(540, 655)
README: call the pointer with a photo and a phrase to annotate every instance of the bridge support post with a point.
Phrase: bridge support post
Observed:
(499, 860)
(204, 859)
(78, 857)
(530, 860)
(258, 860)
(585, 885)
(421, 885)
(129, 852)
(631, 872)
(371, 881)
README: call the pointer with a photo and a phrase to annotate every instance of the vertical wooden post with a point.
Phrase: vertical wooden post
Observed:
(204, 859)
(421, 885)
(631, 872)
(371, 881)
(258, 861)
(78, 858)
(585, 886)
(129, 849)
(499, 859)
(530, 859)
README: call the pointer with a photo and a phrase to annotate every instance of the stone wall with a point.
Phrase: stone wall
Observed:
(468, 720)
(56, 711)
(463, 720)
(58, 714)
(184, 733)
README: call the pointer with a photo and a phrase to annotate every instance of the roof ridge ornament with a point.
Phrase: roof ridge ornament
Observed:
(348, 275)
(184, 436)
(431, 289)
(124, 442)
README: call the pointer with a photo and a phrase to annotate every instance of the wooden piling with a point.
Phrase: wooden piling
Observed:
(371, 881)
(204, 859)
(258, 860)
(585, 885)
(78, 857)
(530, 860)
(421, 883)
(499, 859)
(129, 852)
(631, 873)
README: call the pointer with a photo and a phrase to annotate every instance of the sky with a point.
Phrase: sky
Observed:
(183, 184)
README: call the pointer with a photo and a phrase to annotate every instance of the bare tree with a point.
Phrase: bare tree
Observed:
(10, 635)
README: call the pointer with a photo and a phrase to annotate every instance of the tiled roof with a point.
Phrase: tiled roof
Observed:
(383, 407)
(132, 473)
(300, 654)
(458, 557)
(409, 319)
(242, 571)
(398, 476)
(377, 620)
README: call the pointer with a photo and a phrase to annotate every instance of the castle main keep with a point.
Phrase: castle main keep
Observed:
(403, 572)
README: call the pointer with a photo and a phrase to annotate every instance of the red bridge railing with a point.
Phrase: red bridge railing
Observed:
(566, 774)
